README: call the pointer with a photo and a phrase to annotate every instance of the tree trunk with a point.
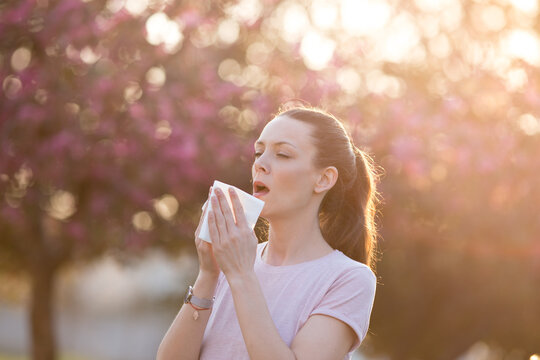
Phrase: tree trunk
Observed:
(42, 313)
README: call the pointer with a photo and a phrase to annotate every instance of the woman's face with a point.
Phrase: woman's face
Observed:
(284, 154)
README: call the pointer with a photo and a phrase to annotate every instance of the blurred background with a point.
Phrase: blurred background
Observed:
(116, 116)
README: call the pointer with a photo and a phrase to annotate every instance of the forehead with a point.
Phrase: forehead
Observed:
(286, 129)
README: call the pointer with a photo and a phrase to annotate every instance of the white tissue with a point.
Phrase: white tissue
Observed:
(252, 207)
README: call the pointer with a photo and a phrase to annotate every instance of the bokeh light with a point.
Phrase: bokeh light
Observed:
(523, 44)
(143, 221)
(11, 86)
(228, 31)
(156, 77)
(317, 50)
(166, 206)
(62, 205)
(162, 30)
(21, 58)
(136, 7)
(363, 17)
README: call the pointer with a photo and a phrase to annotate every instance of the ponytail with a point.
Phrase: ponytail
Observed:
(347, 213)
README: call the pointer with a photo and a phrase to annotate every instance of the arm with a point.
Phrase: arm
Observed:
(184, 338)
(321, 337)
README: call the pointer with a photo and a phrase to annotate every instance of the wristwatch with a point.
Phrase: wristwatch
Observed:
(202, 303)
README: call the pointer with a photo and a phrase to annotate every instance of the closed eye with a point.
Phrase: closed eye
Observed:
(257, 154)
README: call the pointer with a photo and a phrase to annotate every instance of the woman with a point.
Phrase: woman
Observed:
(307, 292)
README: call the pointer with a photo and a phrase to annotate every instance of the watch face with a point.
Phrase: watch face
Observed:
(189, 293)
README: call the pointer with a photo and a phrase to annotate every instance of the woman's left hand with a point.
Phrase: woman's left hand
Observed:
(234, 244)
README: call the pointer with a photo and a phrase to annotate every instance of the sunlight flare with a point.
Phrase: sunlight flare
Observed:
(324, 14)
(362, 17)
(317, 50)
(522, 44)
(529, 7)
(294, 21)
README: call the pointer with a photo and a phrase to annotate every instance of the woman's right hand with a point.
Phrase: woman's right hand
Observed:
(207, 261)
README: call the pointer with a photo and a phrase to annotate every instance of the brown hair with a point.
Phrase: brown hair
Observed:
(347, 212)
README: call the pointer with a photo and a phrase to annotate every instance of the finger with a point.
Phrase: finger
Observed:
(198, 230)
(218, 218)
(226, 210)
(238, 208)
(213, 228)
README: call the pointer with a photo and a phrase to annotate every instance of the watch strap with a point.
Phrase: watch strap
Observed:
(197, 301)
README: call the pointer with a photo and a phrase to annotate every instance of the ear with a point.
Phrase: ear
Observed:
(326, 179)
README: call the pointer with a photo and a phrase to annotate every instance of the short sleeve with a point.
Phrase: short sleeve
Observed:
(350, 299)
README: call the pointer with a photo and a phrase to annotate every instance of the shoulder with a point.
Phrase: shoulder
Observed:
(348, 276)
(351, 269)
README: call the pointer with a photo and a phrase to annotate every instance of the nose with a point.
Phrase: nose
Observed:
(259, 166)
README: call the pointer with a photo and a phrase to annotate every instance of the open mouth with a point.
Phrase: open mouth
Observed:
(260, 190)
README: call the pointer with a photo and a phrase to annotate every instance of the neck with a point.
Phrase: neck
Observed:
(293, 240)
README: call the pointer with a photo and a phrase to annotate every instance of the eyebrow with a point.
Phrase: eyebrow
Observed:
(277, 143)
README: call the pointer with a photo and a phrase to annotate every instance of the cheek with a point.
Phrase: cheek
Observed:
(294, 180)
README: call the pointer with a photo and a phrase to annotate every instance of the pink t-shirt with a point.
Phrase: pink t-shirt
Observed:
(334, 285)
